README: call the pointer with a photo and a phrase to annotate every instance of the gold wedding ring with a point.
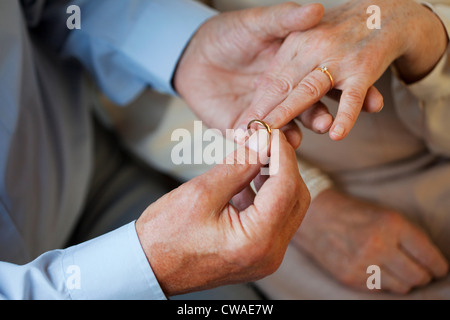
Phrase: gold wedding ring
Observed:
(261, 123)
(265, 125)
(324, 69)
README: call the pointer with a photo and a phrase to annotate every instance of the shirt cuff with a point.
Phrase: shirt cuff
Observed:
(316, 181)
(111, 267)
(130, 45)
(156, 52)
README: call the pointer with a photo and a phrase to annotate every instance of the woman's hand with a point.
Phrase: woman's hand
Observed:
(219, 69)
(345, 236)
(411, 36)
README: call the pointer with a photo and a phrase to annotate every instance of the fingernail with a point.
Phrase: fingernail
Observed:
(323, 123)
(239, 135)
(338, 130)
(258, 141)
(382, 107)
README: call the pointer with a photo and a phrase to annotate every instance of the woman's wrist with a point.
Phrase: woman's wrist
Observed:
(427, 44)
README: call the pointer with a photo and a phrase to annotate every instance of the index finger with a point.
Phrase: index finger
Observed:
(309, 91)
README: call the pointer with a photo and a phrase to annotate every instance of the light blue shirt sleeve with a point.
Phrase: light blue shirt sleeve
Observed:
(126, 45)
(112, 266)
(129, 45)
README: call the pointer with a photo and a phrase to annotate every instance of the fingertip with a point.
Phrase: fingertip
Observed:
(317, 118)
(292, 134)
(323, 123)
(319, 7)
(442, 270)
(315, 8)
(338, 132)
(309, 15)
(374, 102)
(294, 139)
(350, 106)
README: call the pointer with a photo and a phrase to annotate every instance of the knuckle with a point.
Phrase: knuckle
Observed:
(198, 185)
(272, 268)
(201, 193)
(311, 87)
(244, 256)
(260, 253)
(236, 254)
(272, 264)
(351, 117)
(285, 111)
(372, 248)
(294, 186)
(355, 96)
(298, 185)
(277, 84)
(290, 4)
(257, 113)
(195, 199)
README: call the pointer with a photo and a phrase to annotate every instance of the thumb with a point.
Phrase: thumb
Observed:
(279, 21)
(238, 169)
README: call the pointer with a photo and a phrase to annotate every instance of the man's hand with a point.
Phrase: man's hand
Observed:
(195, 239)
(345, 236)
(219, 71)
